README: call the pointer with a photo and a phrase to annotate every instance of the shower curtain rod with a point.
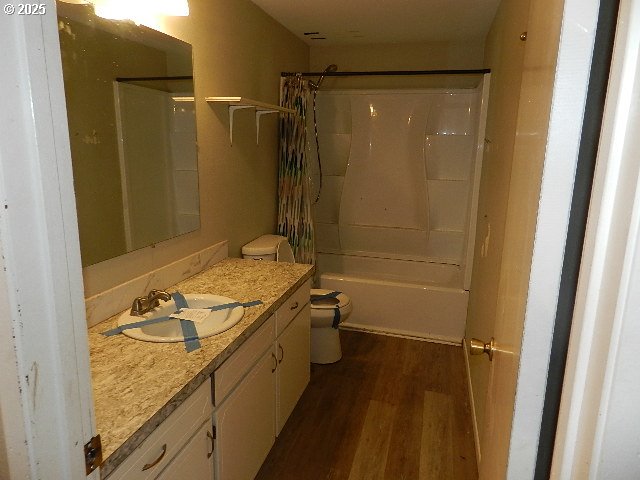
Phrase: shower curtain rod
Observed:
(388, 72)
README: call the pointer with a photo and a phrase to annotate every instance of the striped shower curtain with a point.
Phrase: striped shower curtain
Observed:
(294, 205)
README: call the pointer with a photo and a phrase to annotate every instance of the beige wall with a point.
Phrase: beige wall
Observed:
(504, 54)
(412, 56)
(238, 50)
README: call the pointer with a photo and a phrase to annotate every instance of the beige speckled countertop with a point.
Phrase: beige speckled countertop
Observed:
(136, 385)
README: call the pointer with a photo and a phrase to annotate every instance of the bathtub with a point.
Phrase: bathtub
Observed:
(419, 299)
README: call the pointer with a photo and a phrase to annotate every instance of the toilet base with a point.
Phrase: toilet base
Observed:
(325, 345)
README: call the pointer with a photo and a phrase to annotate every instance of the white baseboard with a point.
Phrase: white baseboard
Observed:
(474, 420)
(401, 333)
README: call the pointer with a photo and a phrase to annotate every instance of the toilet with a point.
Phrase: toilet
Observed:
(328, 308)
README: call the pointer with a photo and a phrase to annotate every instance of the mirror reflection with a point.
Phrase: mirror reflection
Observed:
(131, 114)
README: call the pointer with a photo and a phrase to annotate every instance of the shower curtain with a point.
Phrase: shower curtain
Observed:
(294, 205)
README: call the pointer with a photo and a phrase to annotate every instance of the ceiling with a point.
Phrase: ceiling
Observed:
(353, 22)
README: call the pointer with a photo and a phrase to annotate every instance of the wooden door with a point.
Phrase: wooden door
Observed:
(511, 395)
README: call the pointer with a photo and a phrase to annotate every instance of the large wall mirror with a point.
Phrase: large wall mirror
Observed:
(129, 94)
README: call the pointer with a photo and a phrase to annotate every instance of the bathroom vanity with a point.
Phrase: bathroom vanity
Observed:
(215, 412)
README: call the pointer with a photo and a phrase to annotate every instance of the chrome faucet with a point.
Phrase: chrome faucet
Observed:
(142, 305)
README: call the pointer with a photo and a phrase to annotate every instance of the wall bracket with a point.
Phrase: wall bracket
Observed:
(261, 108)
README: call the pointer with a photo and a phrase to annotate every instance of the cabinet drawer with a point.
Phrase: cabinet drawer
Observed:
(237, 365)
(170, 436)
(290, 308)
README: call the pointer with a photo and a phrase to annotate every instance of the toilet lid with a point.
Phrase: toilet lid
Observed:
(341, 300)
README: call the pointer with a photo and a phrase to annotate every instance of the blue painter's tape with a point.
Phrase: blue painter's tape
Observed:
(179, 300)
(139, 324)
(189, 331)
(333, 294)
(224, 306)
(336, 310)
(190, 334)
(336, 317)
(252, 303)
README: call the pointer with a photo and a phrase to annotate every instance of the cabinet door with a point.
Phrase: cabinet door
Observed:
(195, 460)
(245, 423)
(292, 349)
(166, 441)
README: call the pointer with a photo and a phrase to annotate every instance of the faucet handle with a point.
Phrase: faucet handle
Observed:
(142, 305)
(139, 306)
(155, 296)
(159, 294)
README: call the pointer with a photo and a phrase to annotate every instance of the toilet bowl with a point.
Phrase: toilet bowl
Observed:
(328, 308)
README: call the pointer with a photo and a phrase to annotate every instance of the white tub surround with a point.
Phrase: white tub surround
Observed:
(395, 224)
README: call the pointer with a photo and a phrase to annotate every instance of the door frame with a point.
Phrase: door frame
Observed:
(573, 66)
(580, 204)
(46, 403)
(598, 418)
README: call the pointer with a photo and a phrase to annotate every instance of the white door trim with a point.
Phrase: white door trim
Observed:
(41, 289)
(563, 141)
(597, 435)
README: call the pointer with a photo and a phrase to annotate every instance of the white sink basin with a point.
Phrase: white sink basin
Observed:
(171, 331)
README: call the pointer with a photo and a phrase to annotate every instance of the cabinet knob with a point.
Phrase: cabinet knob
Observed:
(294, 306)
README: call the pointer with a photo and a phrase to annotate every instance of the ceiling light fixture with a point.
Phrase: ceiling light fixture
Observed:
(140, 11)
(145, 12)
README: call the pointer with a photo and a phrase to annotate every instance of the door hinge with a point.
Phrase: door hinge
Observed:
(215, 433)
(93, 454)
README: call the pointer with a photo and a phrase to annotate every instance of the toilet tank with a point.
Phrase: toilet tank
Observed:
(268, 247)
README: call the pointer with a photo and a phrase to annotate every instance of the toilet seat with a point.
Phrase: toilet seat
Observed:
(341, 300)
(330, 311)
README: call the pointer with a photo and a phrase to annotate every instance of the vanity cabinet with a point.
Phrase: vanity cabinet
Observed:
(254, 392)
(245, 423)
(171, 443)
(250, 414)
(292, 374)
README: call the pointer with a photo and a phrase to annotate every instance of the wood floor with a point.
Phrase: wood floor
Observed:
(392, 409)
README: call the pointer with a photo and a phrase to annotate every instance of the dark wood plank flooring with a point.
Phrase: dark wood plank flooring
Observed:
(392, 409)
